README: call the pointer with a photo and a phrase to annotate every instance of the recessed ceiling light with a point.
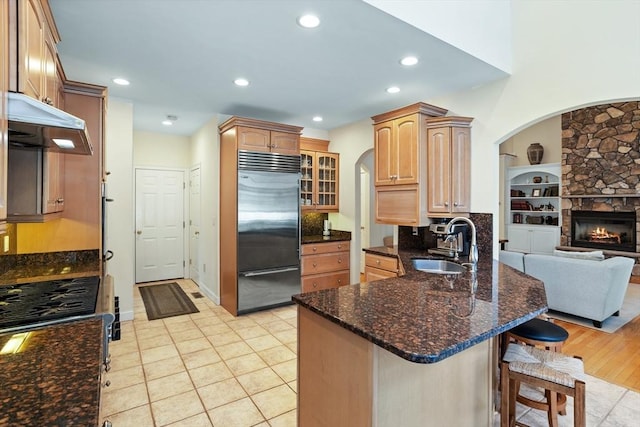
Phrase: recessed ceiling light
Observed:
(393, 89)
(409, 60)
(120, 81)
(241, 82)
(309, 21)
(169, 120)
(317, 119)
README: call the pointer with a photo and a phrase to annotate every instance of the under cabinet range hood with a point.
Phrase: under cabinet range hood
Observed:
(35, 124)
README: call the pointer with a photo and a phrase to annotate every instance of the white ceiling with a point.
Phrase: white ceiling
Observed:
(182, 56)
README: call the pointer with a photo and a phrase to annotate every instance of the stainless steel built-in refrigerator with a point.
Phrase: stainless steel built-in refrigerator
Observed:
(268, 229)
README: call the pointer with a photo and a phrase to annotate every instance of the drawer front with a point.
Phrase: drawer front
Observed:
(325, 247)
(371, 274)
(381, 262)
(325, 281)
(315, 264)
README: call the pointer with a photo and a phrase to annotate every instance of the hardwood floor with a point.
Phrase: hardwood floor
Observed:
(614, 358)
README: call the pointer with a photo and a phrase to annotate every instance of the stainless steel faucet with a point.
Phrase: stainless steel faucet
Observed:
(473, 252)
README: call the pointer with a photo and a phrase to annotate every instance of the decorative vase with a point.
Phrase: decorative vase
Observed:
(535, 153)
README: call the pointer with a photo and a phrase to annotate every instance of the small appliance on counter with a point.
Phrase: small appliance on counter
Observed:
(326, 230)
(448, 244)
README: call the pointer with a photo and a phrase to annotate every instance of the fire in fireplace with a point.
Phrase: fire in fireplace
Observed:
(604, 230)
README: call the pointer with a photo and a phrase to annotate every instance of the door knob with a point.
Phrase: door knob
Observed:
(139, 232)
(197, 233)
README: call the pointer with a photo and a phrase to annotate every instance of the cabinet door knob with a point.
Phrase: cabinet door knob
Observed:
(315, 285)
(378, 262)
(455, 203)
(446, 204)
(139, 232)
(339, 260)
(339, 281)
(315, 249)
(315, 265)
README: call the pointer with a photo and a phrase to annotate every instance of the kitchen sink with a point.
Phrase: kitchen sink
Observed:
(437, 266)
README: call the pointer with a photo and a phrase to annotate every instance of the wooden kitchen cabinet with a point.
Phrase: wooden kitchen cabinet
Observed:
(448, 166)
(378, 267)
(53, 183)
(271, 141)
(4, 87)
(33, 38)
(319, 181)
(325, 265)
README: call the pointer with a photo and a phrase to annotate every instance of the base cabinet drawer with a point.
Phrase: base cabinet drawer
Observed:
(325, 263)
(388, 263)
(317, 282)
(325, 247)
(372, 273)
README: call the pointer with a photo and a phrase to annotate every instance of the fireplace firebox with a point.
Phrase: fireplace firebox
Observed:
(604, 230)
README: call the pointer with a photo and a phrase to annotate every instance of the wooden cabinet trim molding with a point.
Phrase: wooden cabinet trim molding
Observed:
(452, 121)
(260, 124)
(420, 107)
(313, 144)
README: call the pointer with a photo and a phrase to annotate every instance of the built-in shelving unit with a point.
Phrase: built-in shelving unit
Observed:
(534, 210)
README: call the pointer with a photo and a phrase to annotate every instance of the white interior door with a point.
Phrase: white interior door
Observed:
(159, 225)
(194, 224)
(364, 214)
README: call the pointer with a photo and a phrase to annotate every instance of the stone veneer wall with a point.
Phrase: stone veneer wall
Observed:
(601, 161)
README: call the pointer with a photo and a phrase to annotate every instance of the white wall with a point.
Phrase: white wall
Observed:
(548, 133)
(120, 213)
(481, 28)
(161, 150)
(205, 152)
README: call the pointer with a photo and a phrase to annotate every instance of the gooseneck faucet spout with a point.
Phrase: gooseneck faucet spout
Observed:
(473, 252)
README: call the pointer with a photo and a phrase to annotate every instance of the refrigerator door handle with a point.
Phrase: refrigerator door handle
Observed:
(263, 272)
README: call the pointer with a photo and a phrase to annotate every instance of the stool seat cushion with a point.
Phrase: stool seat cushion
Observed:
(541, 330)
(544, 364)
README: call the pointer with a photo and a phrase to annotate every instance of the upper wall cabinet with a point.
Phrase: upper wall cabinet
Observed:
(33, 37)
(448, 166)
(319, 184)
(421, 165)
(254, 135)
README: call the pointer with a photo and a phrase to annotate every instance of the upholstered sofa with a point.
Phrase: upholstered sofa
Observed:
(589, 288)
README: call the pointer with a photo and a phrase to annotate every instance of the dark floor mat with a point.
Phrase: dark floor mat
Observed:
(166, 300)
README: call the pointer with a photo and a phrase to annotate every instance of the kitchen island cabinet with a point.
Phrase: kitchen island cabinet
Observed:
(324, 265)
(55, 377)
(417, 350)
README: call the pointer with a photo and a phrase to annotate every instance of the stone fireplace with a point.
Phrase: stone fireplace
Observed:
(601, 172)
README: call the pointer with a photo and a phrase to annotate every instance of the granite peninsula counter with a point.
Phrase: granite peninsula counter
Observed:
(413, 350)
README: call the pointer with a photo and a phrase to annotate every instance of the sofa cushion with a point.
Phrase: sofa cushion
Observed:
(593, 255)
(513, 259)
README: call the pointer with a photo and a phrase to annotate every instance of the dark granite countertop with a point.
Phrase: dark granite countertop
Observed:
(53, 380)
(41, 267)
(425, 318)
(335, 236)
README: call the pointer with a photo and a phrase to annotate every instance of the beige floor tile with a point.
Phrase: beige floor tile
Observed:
(221, 393)
(176, 408)
(143, 323)
(215, 330)
(293, 385)
(143, 332)
(117, 348)
(155, 341)
(162, 368)
(289, 419)
(252, 332)
(263, 343)
(246, 363)
(125, 377)
(184, 325)
(187, 334)
(210, 320)
(241, 323)
(190, 346)
(158, 353)
(209, 374)
(289, 312)
(124, 399)
(241, 413)
(293, 321)
(287, 336)
(260, 380)
(275, 401)
(200, 420)
(262, 317)
(288, 370)
(136, 417)
(168, 386)
(276, 355)
(293, 346)
(124, 361)
(229, 351)
(277, 326)
(200, 358)
(224, 338)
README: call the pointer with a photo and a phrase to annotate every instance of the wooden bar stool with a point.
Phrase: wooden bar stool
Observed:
(553, 371)
(538, 333)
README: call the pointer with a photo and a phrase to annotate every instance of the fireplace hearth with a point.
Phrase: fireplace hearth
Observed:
(604, 230)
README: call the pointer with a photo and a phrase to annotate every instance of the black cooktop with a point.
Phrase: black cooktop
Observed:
(27, 303)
